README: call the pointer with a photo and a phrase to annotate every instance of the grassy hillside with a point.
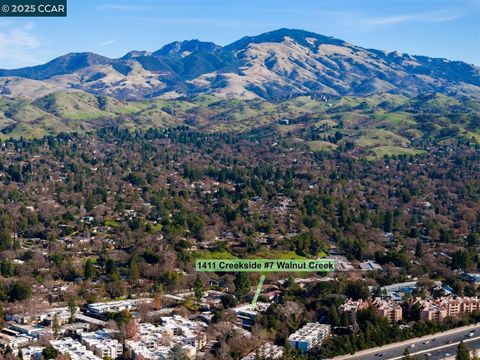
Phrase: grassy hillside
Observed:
(377, 125)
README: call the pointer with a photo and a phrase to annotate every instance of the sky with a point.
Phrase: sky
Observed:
(437, 28)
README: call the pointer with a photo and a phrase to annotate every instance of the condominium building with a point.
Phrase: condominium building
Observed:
(155, 342)
(309, 336)
(266, 351)
(102, 343)
(388, 309)
(103, 308)
(61, 314)
(351, 308)
(74, 349)
(448, 307)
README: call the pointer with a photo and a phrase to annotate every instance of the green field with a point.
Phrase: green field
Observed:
(381, 151)
(318, 146)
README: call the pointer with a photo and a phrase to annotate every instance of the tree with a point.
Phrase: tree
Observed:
(357, 290)
(55, 326)
(388, 222)
(72, 307)
(406, 354)
(177, 353)
(123, 319)
(89, 271)
(2, 315)
(131, 329)
(20, 291)
(242, 284)
(198, 290)
(8, 350)
(134, 272)
(462, 352)
(49, 352)
(228, 301)
(419, 251)
(6, 239)
(157, 301)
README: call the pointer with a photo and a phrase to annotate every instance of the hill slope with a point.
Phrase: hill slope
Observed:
(275, 65)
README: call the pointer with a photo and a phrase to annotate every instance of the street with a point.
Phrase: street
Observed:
(438, 346)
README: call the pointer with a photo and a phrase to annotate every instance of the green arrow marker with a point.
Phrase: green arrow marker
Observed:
(259, 289)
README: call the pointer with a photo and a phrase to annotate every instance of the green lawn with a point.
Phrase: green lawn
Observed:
(319, 146)
(381, 151)
(112, 223)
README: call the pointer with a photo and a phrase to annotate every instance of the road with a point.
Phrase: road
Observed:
(436, 345)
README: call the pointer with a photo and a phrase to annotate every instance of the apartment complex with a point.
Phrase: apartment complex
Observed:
(351, 308)
(439, 309)
(385, 308)
(103, 308)
(266, 351)
(155, 342)
(74, 349)
(388, 309)
(309, 336)
(102, 343)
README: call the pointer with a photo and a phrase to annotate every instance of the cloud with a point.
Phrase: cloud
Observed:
(108, 42)
(432, 17)
(18, 44)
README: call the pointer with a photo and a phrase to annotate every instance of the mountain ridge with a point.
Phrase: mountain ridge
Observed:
(274, 65)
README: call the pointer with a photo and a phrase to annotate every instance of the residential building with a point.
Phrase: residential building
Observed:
(41, 316)
(266, 351)
(388, 309)
(102, 343)
(369, 266)
(397, 291)
(431, 311)
(246, 313)
(310, 336)
(31, 352)
(351, 308)
(74, 349)
(473, 278)
(103, 308)
(154, 342)
(455, 307)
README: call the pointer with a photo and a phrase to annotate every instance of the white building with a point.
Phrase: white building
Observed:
(246, 313)
(102, 308)
(31, 352)
(74, 349)
(266, 351)
(102, 343)
(309, 336)
(155, 342)
(38, 316)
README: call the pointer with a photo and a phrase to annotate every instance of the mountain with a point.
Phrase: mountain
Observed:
(65, 64)
(185, 48)
(275, 65)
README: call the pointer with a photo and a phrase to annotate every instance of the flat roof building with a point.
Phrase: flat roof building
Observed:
(388, 309)
(351, 308)
(266, 351)
(473, 278)
(102, 343)
(103, 308)
(444, 307)
(74, 349)
(155, 342)
(310, 336)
